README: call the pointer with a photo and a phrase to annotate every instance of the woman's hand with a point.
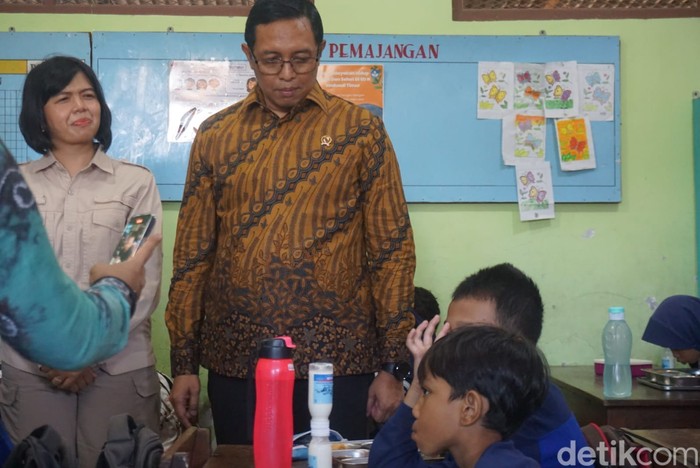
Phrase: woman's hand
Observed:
(132, 270)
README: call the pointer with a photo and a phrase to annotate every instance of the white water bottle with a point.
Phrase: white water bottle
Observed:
(617, 347)
(320, 406)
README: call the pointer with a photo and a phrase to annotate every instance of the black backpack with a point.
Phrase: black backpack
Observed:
(130, 445)
(43, 448)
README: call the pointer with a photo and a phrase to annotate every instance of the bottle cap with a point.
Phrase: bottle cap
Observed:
(616, 313)
(320, 428)
(277, 348)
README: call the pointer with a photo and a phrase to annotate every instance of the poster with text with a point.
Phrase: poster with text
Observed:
(360, 84)
(199, 89)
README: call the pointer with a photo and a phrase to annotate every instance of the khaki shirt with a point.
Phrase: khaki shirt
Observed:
(84, 217)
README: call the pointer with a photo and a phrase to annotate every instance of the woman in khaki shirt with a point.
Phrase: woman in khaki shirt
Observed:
(85, 199)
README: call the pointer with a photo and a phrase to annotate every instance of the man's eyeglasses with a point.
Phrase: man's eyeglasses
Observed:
(274, 65)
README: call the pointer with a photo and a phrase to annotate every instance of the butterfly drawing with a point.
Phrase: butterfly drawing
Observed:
(538, 195)
(553, 78)
(535, 95)
(566, 95)
(600, 95)
(593, 79)
(527, 179)
(525, 125)
(489, 77)
(497, 94)
(577, 145)
(532, 142)
(558, 91)
(524, 77)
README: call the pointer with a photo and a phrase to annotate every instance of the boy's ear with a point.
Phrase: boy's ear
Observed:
(473, 407)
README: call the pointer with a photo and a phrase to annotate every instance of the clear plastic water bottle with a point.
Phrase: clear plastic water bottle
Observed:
(274, 387)
(617, 347)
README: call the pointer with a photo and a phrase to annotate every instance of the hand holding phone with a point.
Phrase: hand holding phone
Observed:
(135, 232)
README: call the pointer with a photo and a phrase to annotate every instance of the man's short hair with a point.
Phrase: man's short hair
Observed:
(502, 366)
(268, 11)
(518, 302)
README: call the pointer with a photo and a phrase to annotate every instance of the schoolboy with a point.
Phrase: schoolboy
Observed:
(479, 384)
(502, 295)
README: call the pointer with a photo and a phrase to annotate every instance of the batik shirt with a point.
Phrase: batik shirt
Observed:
(292, 226)
(43, 313)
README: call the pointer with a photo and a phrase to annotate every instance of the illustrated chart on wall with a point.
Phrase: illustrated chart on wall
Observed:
(18, 52)
(430, 94)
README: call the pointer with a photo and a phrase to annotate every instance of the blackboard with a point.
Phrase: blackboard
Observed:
(446, 154)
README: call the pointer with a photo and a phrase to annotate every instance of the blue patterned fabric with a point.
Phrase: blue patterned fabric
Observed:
(43, 313)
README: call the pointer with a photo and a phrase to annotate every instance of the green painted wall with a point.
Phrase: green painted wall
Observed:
(590, 256)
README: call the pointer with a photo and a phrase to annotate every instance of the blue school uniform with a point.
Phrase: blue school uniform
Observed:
(541, 437)
(394, 447)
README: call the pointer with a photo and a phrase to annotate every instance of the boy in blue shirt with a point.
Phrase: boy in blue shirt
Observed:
(503, 296)
(479, 384)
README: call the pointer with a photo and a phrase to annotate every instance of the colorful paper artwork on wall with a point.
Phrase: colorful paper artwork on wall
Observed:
(575, 142)
(528, 88)
(561, 89)
(495, 90)
(523, 138)
(597, 91)
(535, 195)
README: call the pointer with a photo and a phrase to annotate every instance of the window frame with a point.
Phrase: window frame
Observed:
(460, 13)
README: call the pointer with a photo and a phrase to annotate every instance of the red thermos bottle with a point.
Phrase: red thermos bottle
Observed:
(274, 385)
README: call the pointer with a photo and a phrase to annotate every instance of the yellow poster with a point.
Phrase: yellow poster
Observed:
(360, 84)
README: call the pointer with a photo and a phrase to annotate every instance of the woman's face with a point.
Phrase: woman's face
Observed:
(73, 115)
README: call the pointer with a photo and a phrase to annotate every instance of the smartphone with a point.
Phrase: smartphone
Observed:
(135, 232)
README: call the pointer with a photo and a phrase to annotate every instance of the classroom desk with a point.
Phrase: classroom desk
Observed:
(239, 456)
(671, 439)
(647, 408)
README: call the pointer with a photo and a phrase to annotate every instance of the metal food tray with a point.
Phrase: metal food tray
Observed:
(671, 379)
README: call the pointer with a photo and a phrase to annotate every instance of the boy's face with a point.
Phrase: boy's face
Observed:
(469, 311)
(437, 417)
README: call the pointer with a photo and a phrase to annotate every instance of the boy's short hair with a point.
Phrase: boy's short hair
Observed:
(518, 302)
(425, 304)
(502, 366)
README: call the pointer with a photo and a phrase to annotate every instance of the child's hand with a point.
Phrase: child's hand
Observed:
(419, 341)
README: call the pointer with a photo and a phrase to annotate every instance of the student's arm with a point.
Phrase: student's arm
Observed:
(45, 316)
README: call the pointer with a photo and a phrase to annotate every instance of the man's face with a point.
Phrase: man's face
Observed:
(437, 417)
(469, 311)
(290, 39)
